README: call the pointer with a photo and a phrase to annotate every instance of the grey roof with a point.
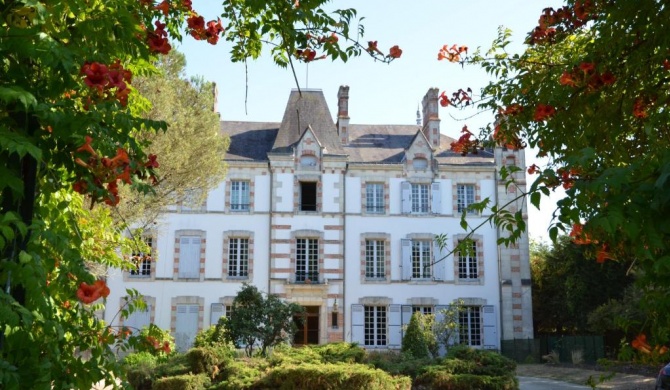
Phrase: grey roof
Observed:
(249, 140)
(304, 109)
(374, 144)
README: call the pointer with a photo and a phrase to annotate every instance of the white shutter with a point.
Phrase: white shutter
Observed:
(189, 257)
(357, 325)
(406, 197)
(406, 313)
(186, 326)
(490, 331)
(439, 262)
(138, 320)
(406, 265)
(395, 327)
(436, 201)
(218, 310)
(439, 316)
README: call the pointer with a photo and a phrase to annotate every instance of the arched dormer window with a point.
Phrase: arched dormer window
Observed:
(420, 163)
(308, 161)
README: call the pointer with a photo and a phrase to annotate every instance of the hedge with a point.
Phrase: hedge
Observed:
(438, 379)
(183, 382)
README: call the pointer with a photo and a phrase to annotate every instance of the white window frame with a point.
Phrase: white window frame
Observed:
(470, 326)
(240, 195)
(420, 198)
(422, 259)
(375, 259)
(238, 257)
(143, 261)
(374, 198)
(376, 326)
(468, 263)
(465, 195)
(307, 259)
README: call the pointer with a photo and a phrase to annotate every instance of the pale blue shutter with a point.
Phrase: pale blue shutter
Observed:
(439, 262)
(357, 325)
(406, 191)
(436, 201)
(189, 257)
(394, 327)
(138, 320)
(218, 310)
(406, 265)
(186, 326)
(439, 316)
(406, 313)
(489, 324)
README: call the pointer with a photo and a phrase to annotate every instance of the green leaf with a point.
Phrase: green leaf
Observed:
(15, 93)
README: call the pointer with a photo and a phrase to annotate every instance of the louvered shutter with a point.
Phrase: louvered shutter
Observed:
(439, 262)
(218, 310)
(189, 257)
(406, 197)
(406, 265)
(394, 326)
(436, 201)
(489, 324)
(186, 326)
(406, 313)
(357, 325)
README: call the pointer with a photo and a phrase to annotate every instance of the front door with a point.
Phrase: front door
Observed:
(308, 326)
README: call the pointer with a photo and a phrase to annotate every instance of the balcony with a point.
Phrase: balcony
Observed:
(307, 277)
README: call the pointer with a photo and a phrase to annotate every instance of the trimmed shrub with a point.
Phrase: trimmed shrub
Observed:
(435, 377)
(214, 336)
(175, 365)
(140, 358)
(240, 374)
(207, 359)
(419, 340)
(398, 364)
(140, 369)
(340, 352)
(331, 377)
(183, 382)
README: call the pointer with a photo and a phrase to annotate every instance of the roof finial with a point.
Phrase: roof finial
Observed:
(418, 115)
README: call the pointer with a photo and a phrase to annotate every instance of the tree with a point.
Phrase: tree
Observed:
(72, 134)
(191, 149)
(446, 327)
(260, 320)
(419, 340)
(568, 287)
(590, 92)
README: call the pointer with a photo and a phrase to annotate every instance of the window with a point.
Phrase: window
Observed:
(374, 198)
(143, 261)
(470, 326)
(419, 198)
(239, 195)
(308, 196)
(375, 325)
(189, 257)
(421, 259)
(186, 326)
(219, 310)
(374, 259)
(422, 309)
(308, 161)
(420, 163)
(138, 319)
(466, 196)
(307, 260)
(238, 257)
(467, 262)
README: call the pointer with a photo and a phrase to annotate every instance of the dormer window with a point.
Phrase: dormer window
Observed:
(420, 163)
(308, 161)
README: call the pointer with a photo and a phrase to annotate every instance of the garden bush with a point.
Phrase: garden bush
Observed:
(207, 359)
(177, 364)
(435, 377)
(340, 352)
(140, 368)
(240, 374)
(398, 363)
(183, 382)
(331, 377)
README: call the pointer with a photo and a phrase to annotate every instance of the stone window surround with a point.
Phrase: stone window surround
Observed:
(252, 190)
(203, 245)
(454, 191)
(479, 240)
(150, 301)
(186, 300)
(313, 178)
(227, 235)
(386, 237)
(364, 196)
(306, 233)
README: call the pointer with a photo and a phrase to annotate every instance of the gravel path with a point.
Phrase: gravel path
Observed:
(581, 376)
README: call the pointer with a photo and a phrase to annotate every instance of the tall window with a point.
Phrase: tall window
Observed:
(186, 326)
(374, 259)
(239, 195)
(238, 257)
(467, 262)
(375, 325)
(308, 196)
(466, 196)
(189, 257)
(421, 259)
(138, 319)
(419, 198)
(143, 260)
(470, 326)
(307, 260)
(374, 198)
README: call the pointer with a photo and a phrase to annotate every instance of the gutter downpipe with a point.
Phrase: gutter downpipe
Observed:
(344, 250)
(500, 280)
(270, 227)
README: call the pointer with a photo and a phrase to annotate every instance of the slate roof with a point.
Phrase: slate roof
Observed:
(380, 144)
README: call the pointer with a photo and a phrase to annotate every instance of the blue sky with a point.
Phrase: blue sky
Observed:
(379, 93)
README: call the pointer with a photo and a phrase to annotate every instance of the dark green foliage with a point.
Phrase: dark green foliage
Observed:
(328, 353)
(183, 382)
(140, 369)
(240, 374)
(176, 365)
(398, 364)
(208, 359)
(436, 378)
(331, 377)
(213, 336)
(419, 339)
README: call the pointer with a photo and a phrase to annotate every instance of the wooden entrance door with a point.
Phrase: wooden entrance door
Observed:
(308, 326)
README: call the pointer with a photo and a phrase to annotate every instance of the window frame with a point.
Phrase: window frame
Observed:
(307, 259)
(374, 198)
(470, 326)
(419, 198)
(302, 206)
(238, 263)
(375, 325)
(240, 190)
(419, 258)
(375, 259)
(468, 263)
(143, 261)
(464, 197)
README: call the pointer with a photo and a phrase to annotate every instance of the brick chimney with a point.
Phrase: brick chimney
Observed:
(431, 118)
(343, 114)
